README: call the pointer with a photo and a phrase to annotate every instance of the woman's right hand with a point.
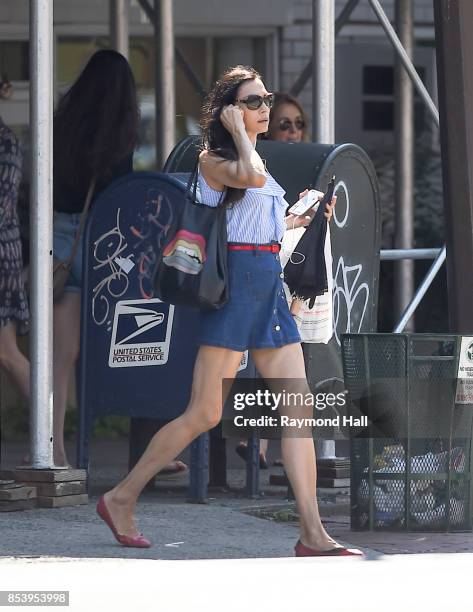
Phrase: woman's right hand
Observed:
(232, 119)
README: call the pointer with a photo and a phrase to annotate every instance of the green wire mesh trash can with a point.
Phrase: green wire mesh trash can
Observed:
(411, 467)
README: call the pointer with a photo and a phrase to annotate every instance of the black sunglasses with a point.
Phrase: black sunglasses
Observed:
(254, 102)
(286, 124)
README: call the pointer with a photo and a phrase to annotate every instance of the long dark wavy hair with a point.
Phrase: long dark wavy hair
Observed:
(216, 138)
(96, 121)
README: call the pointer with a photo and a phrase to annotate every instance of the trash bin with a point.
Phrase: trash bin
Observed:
(411, 467)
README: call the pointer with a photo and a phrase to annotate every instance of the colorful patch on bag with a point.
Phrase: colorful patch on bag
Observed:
(186, 252)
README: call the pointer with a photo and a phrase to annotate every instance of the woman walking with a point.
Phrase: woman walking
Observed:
(14, 313)
(256, 317)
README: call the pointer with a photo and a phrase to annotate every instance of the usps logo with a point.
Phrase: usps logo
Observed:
(141, 333)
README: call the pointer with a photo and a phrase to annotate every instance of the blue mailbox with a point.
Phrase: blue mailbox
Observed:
(137, 353)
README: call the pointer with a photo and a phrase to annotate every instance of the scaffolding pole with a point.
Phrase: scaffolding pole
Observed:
(41, 233)
(404, 161)
(181, 61)
(454, 46)
(405, 59)
(323, 71)
(323, 103)
(421, 291)
(119, 26)
(342, 19)
(164, 82)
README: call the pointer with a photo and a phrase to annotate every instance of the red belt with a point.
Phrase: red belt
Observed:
(273, 248)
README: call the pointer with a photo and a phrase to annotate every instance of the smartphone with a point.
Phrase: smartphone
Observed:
(311, 198)
(305, 203)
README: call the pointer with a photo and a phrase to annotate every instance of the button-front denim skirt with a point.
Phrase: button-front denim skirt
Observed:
(257, 314)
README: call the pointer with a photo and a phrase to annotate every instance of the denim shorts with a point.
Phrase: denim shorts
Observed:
(64, 233)
(256, 314)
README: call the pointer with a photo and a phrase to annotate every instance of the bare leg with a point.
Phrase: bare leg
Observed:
(66, 351)
(12, 360)
(203, 412)
(298, 452)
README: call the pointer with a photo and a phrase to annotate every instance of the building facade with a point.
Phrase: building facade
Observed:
(275, 37)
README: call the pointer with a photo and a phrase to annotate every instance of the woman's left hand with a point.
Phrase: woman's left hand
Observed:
(329, 208)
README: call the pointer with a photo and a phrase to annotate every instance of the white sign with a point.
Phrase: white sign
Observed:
(125, 263)
(464, 394)
(141, 333)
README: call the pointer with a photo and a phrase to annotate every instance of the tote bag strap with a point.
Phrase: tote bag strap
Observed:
(191, 187)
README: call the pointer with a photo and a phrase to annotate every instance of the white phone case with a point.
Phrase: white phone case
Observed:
(305, 203)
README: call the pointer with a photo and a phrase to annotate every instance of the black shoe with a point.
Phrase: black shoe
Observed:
(242, 451)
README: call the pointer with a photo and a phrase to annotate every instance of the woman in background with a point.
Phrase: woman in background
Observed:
(95, 134)
(288, 121)
(14, 314)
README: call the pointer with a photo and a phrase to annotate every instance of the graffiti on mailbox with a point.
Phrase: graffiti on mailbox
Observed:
(115, 255)
(151, 226)
(350, 296)
(109, 248)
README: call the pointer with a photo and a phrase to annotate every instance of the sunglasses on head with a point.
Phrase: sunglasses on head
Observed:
(286, 124)
(254, 102)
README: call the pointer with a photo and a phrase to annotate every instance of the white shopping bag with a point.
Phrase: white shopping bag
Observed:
(315, 324)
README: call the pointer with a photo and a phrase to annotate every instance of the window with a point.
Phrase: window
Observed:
(14, 60)
(378, 100)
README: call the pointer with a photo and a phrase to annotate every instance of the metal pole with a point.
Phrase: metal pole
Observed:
(454, 46)
(119, 30)
(323, 71)
(404, 161)
(341, 20)
(323, 103)
(323, 67)
(405, 59)
(194, 80)
(41, 122)
(164, 84)
(398, 254)
(422, 290)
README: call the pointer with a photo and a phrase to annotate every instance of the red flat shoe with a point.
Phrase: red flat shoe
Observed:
(138, 541)
(301, 550)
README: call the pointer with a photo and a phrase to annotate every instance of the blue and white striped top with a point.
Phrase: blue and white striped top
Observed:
(258, 218)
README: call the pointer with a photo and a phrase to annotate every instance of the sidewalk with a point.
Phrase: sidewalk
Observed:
(227, 527)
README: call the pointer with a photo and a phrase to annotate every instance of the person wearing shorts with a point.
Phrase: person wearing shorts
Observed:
(256, 317)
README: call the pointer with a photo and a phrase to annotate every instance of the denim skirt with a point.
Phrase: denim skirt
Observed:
(256, 314)
(64, 234)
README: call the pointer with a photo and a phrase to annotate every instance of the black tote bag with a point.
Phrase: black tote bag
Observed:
(191, 269)
(308, 279)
